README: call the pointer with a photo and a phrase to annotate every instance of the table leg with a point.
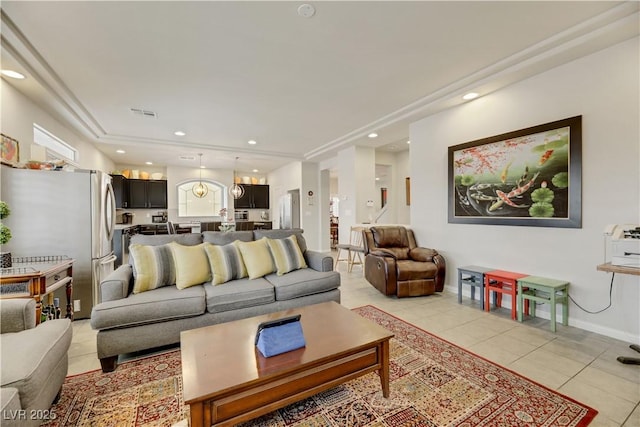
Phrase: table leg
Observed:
(486, 294)
(514, 302)
(552, 308)
(459, 287)
(69, 292)
(384, 368)
(520, 302)
(196, 411)
(565, 306)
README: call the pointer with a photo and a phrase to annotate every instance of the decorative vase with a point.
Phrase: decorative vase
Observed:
(5, 259)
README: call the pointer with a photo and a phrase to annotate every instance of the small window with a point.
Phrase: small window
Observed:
(56, 148)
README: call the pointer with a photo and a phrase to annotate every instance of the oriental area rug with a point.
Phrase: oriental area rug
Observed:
(433, 383)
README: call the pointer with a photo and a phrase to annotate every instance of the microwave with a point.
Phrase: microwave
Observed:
(158, 219)
(241, 215)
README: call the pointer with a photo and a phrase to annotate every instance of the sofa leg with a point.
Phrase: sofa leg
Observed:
(109, 364)
(57, 398)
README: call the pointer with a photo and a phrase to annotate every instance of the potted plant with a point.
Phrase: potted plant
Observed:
(5, 236)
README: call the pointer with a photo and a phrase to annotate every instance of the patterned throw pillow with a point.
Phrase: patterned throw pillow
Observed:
(192, 265)
(286, 254)
(153, 267)
(226, 262)
(256, 257)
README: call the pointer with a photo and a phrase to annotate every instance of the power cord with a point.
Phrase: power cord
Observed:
(599, 311)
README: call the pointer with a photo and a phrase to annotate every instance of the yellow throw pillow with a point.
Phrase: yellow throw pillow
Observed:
(191, 263)
(153, 267)
(286, 254)
(257, 257)
(226, 262)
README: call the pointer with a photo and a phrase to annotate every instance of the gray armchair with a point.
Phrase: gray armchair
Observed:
(33, 362)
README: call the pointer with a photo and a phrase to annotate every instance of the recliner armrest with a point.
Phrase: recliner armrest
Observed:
(318, 261)
(383, 252)
(117, 284)
(422, 254)
(18, 314)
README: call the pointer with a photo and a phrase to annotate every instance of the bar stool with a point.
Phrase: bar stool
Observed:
(543, 290)
(503, 282)
(473, 276)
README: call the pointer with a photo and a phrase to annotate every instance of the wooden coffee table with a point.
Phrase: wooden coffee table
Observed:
(228, 381)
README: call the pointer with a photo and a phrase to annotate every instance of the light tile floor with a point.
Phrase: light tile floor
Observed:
(577, 363)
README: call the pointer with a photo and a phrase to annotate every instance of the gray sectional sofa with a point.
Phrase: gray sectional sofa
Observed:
(128, 322)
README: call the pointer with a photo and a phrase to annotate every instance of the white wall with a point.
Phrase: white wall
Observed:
(604, 89)
(18, 115)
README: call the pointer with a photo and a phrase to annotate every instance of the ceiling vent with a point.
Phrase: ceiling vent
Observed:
(187, 157)
(145, 113)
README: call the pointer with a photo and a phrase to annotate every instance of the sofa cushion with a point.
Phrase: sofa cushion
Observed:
(226, 237)
(303, 282)
(238, 294)
(191, 265)
(154, 267)
(257, 258)
(281, 234)
(286, 254)
(29, 357)
(166, 303)
(226, 262)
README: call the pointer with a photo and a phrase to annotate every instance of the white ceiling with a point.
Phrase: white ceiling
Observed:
(228, 72)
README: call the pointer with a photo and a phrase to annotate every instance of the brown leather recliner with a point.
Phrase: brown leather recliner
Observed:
(395, 265)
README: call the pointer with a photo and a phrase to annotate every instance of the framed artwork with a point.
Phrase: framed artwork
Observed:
(9, 150)
(530, 177)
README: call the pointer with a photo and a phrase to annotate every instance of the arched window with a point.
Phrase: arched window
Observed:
(210, 205)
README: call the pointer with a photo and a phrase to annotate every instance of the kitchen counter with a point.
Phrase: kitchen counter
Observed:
(124, 226)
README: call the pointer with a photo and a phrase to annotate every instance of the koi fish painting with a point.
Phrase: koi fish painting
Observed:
(530, 177)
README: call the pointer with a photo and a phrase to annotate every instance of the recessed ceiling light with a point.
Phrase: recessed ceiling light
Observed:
(179, 133)
(470, 95)
(120, 151)
(12, 74)
(377, 179)
(256, 171)
(202, 167)
(148, 163)
(252, 142)
(373, 135)
(408, 142)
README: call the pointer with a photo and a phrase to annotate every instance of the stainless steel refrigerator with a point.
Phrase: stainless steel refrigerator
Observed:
(63, 213)
(290, 210)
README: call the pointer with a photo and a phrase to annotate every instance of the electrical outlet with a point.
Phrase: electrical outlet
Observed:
(76, 305)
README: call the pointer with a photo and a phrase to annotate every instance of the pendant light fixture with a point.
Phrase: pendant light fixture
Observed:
(200, 190)
(236, 191)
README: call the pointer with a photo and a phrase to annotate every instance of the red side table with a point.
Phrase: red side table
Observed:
(503, 282)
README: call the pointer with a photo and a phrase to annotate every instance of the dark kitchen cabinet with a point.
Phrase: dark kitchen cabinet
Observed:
(255, 197)
(120, 190)
(145, 194)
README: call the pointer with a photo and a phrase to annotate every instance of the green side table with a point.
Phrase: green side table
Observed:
(544, 290)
